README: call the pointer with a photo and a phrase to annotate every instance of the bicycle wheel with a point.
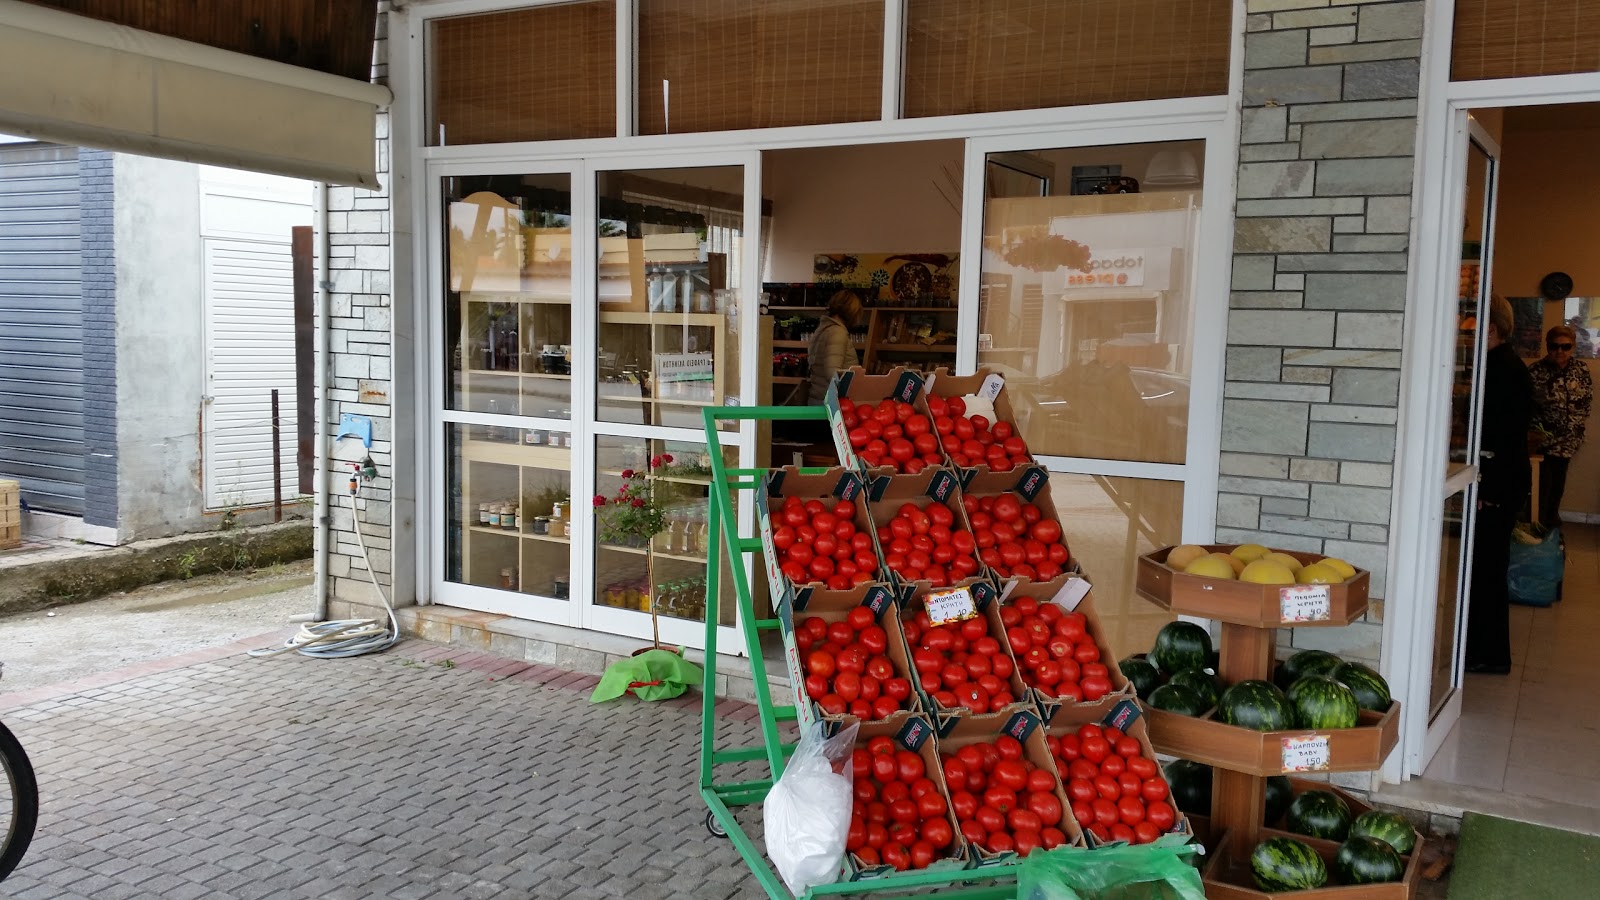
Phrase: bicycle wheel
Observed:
(19, 802)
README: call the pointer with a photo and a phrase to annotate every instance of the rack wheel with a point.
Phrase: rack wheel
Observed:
(712, 825)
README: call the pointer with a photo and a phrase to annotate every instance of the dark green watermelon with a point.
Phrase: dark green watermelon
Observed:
(1306, 662)
(1190, 783)
(1371, 691)
(1178, 699)
(1320, 702)
(1279, 795)
(1285, 864)
(1391, 828)
(1179, 646)
(1365, 860)
(1320, 814)
(1203, 683)
(1142, 673)
(1257, 705)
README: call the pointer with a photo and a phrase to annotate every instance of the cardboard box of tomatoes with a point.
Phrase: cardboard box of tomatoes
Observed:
(816, 534)
(901, 817)
(1016, 525)
(957, 647)
(1114, 785)
(983, 439)
(1004, 789)
(922, 529)
(1060, 645)
(847, 659)
(882, 421)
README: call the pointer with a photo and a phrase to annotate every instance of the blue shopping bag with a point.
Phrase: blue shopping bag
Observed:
(1538, 562)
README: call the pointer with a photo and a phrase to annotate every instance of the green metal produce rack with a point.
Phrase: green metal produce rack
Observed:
(997, 883)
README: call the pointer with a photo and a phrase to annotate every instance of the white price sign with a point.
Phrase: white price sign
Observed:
(1305, 603)
(954, 605)
(1306, 754)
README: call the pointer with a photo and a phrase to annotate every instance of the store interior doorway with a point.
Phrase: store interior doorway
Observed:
(1515, 742)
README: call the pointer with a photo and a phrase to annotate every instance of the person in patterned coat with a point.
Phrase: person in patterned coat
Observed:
(1563, 393)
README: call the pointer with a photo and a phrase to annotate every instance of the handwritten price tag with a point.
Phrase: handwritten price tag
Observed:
(954, 605)
(1306, 754)
(1305, 603)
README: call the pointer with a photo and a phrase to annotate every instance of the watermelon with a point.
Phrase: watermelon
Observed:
(1365, 860)
(1257, 705)
(1285, 864)
(1190, 783)
(1142, 673)
(1371, 691)
(1179, 646)
(1391, 828)
(1320, 814)
(1279, 795)
(1203, 683)
(1320, 702)
(1307, 662)
(1178, 699)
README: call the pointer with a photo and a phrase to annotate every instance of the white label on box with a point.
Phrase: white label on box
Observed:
(953, 605)
(1305, 603)
(1306, 754)
(992, 387)
(1072, 593)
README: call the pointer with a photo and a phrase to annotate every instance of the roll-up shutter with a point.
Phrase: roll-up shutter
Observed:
(41, 325)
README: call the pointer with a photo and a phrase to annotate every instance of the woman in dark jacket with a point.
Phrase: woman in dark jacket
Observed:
(1504, 480)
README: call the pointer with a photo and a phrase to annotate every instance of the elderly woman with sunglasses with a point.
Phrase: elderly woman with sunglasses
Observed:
(1563, 393)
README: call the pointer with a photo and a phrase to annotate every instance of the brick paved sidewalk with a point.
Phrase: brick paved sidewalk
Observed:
(423, 772)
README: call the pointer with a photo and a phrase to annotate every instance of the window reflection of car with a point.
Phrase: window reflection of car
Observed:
(1102, 411)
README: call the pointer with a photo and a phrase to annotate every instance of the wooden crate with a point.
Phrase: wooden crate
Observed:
(1242, 602)
(10, 515)
(1210, 741)
(1227, 875)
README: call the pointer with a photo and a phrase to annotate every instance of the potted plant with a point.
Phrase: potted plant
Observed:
(632, 517)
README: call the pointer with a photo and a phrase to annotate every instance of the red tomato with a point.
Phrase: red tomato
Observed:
(1040, 781)
(973, 832)
(1046, 806)
(1082, 768)
(848, 686)
(1152, 789)
(1086, 652)
(1107, 787)
(1105, 812)
(1128, 748)
(1145, 833)
(1011, 774)
(1130, 784)
(1051, 838)
(897, 689)
(1130, 810)
(1008, 747)
(820, 663)
(910, 765)
(963, 803)
(990, 819)
(1083, 812)
(1144, 768)
(1095, 686)
(1081, 789)
(1070, 628)
(833, 705)
(884, 707)
(1093, 747)
(1000, 842)
(884, 768)
(1069, 747)
(1121, 832)
(1026, 841)
(938, 832)
(1159, 813)
(932, 806)
(1007, 508)
(896, 856)
(1113, 765)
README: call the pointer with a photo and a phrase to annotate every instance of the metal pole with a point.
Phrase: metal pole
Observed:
(277, 464)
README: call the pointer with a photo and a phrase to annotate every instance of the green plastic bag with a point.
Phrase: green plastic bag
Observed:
(654, 675)
(1146, 872)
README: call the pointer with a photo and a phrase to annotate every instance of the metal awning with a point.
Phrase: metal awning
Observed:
(73, 79)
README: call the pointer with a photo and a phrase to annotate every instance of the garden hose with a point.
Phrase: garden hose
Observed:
(346, 637)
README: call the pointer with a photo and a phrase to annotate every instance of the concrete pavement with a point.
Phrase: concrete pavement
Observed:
(426, 772)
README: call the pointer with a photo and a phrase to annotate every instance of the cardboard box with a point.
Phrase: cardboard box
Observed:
(887, 493)
(835, 606)
(1127, 717)
(856, 385)
(10, 515)
(914, 734)
(1208, 740)
(1246, 603)
(1025, 726)
(1031, 485)
(830, 487)
(946, 718)
(984, 383)
(1074, 595)
(1229, 878)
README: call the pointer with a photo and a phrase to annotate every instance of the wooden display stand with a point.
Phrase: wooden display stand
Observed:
(1242, 759)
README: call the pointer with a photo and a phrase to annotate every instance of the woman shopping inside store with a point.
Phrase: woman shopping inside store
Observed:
(1563, 392)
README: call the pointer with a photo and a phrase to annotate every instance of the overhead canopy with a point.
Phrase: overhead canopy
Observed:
(73, 79)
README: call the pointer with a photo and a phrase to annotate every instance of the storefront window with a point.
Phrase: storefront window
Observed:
(509, 509)
(722, 65)
(1086, 301)
(1111, 523)
(508, 295)
(673, 479)
(669, 243)
(977, 56)
(545, 73)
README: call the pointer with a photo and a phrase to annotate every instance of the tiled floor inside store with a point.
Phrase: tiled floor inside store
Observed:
(1532, 732)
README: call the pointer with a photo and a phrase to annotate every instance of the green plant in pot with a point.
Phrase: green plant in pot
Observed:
(632, 517)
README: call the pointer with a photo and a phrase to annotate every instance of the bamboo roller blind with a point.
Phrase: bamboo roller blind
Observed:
(970, 56)
(540, 74)
(1518, 38)
(733, 64)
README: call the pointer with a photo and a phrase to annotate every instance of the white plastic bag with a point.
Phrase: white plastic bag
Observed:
(807, 813)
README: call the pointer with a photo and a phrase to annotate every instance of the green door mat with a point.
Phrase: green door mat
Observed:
(1498, 859)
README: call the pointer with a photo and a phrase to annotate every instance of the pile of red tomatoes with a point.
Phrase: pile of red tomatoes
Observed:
(960, 664)
(974, 440)
(817, 541)
(900, 817)
(1117, 793)
(848, 669)
(1057, 654)
(891, 433)
(1002, 801)
(928, 544)
(1014, 538)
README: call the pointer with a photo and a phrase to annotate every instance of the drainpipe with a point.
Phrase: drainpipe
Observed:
(322, 514)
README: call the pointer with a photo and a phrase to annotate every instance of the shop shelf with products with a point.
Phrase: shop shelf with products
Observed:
(515, 508)
(918, 336)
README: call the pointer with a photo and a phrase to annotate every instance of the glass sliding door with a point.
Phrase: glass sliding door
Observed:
(507, 336)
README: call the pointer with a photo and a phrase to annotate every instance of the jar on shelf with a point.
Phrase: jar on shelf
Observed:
(510, 516)
(508, 578)
(494, 515)
(560, 587)
(541, 525)
(555, 527)
(483, 515)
